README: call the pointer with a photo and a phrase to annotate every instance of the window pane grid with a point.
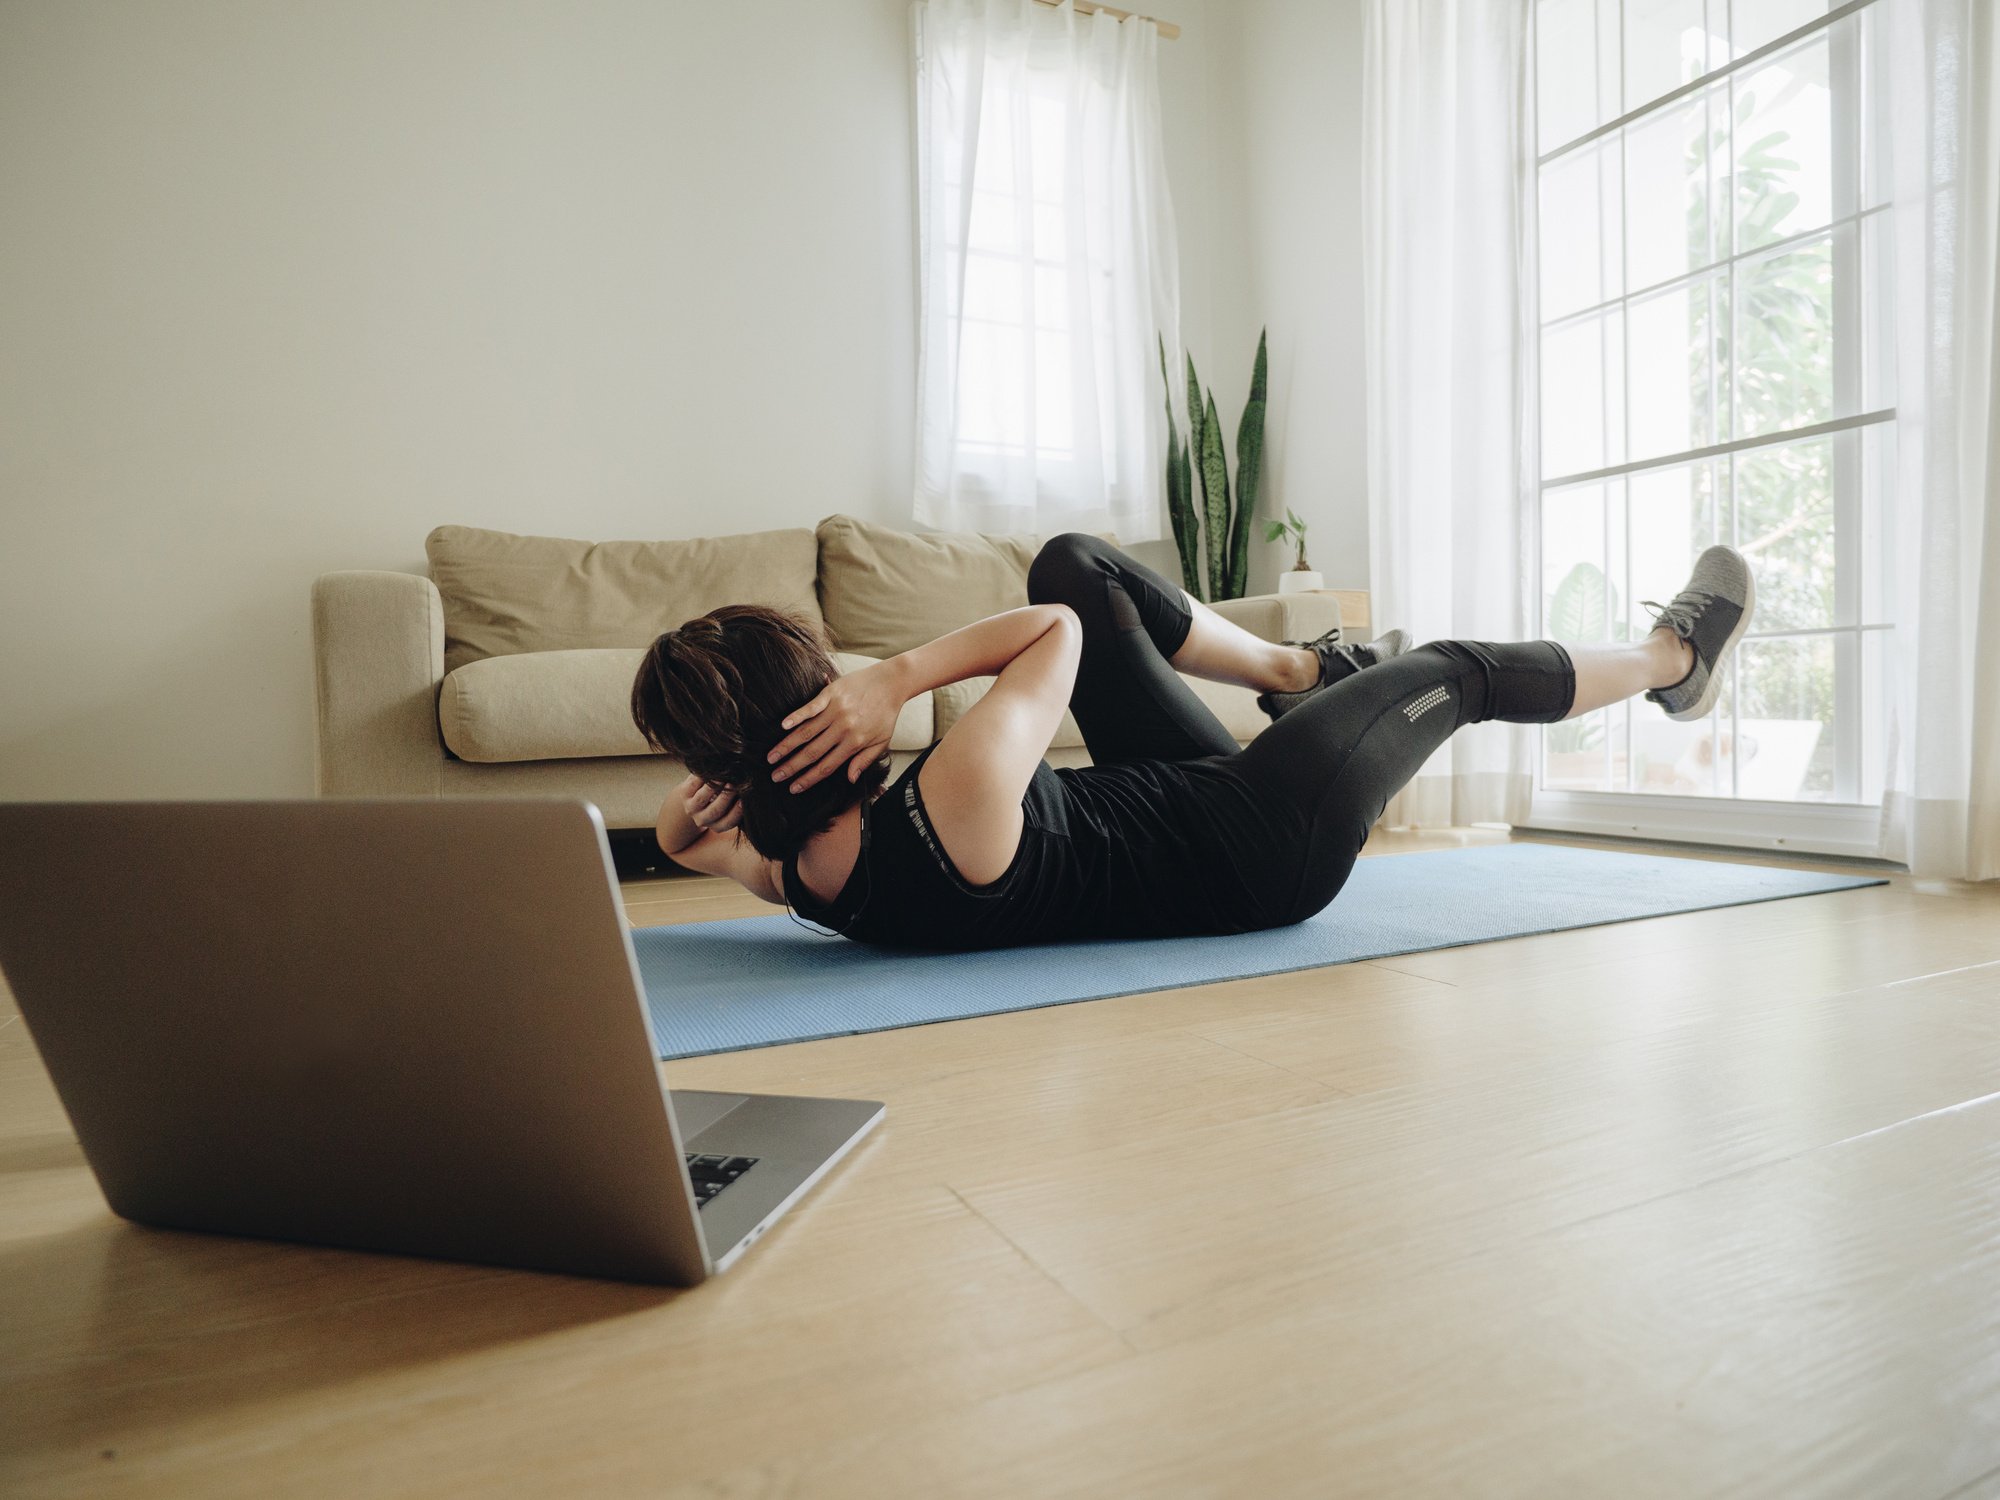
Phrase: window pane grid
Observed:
(1723, 376)
(1709, 79)
(1714, 267)
(1817, 630)
(1742, 287)
(1774, 438)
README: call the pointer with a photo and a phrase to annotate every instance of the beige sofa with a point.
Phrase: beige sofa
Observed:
(508, 670)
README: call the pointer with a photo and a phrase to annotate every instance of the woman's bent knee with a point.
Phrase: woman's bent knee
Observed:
(1064, 564)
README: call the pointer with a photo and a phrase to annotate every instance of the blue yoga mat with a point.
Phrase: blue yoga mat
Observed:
(762, 981)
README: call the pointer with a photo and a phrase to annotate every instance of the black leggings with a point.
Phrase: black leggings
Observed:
(1325, 770)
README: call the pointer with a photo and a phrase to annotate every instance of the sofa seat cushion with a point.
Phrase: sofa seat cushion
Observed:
(1235, 706)
(505, 594)
(576, 705)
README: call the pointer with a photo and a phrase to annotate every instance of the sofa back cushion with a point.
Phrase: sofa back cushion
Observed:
(883, 591)
(505, 594)
(1235, 707)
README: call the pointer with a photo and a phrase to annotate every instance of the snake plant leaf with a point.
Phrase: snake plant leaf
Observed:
(1191, 520)
(1180, 505)
(1198, 477)
(1249, 467)
(1215, 499)
(1187, 524)
(1194, 407)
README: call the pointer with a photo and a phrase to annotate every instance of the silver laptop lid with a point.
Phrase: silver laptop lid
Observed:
(412, 1026)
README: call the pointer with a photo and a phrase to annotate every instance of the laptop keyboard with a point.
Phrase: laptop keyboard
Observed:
(711, 1174)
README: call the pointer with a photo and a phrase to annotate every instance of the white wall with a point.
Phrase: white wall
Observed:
(1292, 75)
(283, 285)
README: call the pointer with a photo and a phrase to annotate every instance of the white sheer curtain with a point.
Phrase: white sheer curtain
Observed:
(1450, 300)
(1941, 810)
(1047, 270)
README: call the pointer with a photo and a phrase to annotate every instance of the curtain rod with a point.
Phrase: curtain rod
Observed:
(1168, 30)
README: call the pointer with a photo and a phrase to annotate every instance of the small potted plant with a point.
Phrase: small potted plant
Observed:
(1300, 578)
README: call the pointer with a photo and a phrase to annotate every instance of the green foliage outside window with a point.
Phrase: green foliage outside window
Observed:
(1779, 354)
(1782, 365)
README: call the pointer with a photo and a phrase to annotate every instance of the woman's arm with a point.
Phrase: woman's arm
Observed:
(973, 782)
(697, 830)
(848, 724)
(678, 827)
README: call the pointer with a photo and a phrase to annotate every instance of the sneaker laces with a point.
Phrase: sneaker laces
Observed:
(1679, 617)
(1329, 648)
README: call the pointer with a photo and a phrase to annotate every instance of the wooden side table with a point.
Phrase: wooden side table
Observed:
(1353, 604)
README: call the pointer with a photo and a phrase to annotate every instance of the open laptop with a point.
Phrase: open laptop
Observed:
(411, 1026)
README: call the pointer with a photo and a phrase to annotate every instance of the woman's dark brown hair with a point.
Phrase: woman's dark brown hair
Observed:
(711, 694)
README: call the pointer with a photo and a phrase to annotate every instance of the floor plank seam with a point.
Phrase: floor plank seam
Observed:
(1942, 973)
(1044, 1272)
(1390, 968)
(1929, 1114)
(1318, 1083)
(1972, 1484)
(1553, 1230)
(1760, 1166)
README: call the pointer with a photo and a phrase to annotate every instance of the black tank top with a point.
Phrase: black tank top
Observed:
(1140, 849)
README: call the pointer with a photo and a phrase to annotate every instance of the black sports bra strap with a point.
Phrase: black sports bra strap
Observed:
(840, 913)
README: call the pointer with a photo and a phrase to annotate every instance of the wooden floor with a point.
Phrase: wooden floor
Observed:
(1708, 1204)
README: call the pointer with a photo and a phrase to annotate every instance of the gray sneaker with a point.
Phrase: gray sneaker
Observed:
(1335, 662)
(1710, 614)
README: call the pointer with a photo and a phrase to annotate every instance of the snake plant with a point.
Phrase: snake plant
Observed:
(1225, 527)
(1249, 467)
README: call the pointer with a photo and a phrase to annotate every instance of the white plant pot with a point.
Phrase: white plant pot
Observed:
(1295, 582)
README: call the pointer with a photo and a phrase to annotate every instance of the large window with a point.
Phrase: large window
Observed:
(1715, 366)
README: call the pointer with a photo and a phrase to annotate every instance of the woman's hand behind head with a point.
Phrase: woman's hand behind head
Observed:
(711, 808)
(846, 726)
(715, 693)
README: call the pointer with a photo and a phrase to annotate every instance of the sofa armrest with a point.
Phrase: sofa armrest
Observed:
(1282, 617)
(378, 657)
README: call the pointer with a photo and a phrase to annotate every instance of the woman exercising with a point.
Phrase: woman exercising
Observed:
(1173, 829)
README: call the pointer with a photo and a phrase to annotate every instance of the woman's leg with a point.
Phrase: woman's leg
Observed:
(1223, 651)
(1128, 701)
(1611, 674)
(1331, 765)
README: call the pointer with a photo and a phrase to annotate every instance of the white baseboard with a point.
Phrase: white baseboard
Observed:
(1849, 830)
